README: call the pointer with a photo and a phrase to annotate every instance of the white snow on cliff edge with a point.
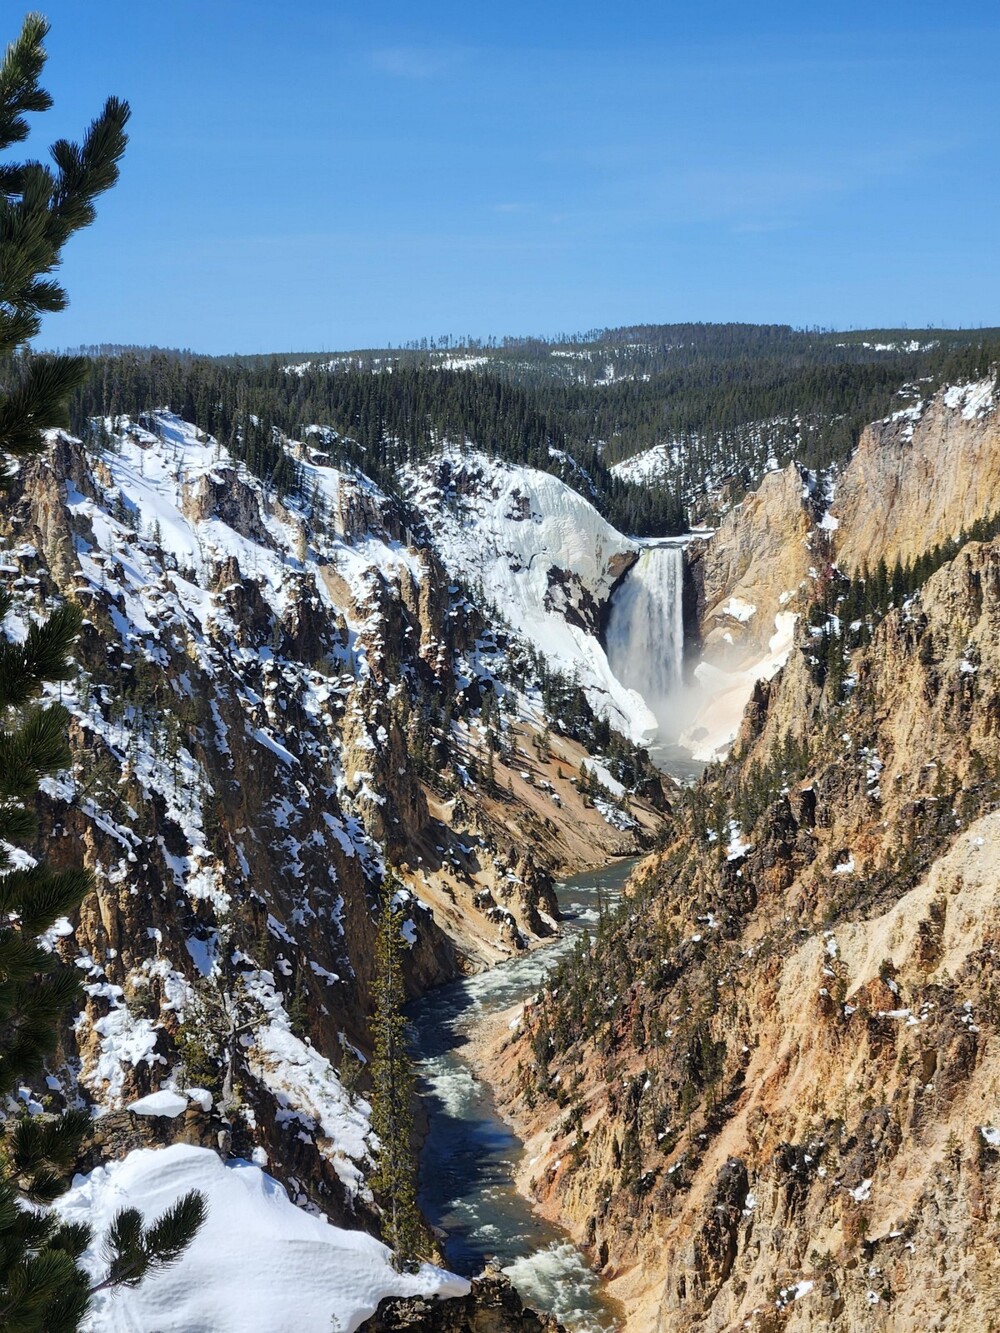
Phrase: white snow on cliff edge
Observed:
(259, 1264)
(544, 557)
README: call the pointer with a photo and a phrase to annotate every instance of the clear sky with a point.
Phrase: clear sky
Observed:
(349, 173)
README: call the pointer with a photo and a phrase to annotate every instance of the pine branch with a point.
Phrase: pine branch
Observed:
(170, 1235)
(19, 74)
(38, 403)
(37, 748)
(45, 896)
(42, 1288)
(131, 1251)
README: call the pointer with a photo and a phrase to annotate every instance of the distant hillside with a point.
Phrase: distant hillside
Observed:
(719, 404)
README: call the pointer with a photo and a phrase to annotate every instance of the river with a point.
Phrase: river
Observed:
(469, 1154)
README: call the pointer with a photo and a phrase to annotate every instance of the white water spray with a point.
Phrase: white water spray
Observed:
(645, 635)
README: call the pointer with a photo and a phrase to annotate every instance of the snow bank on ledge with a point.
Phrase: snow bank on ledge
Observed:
(259, 1263)
(725, 694)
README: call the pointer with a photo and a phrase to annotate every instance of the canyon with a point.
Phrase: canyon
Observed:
(765, 1096)
(762, 1093)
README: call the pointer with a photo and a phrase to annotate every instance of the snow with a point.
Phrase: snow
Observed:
(614, 815)
(907, 418)
(604, 777)
(861, 1193)
(910, 345)
(540, 552)
(305, 1085)
(794, 1293)
(259, 1264)
(163, 1103)
(651, 465)
(463, 362)
(972, 400)
(126, 1040)
(737, 848)
(991, 1135)
(738, 609)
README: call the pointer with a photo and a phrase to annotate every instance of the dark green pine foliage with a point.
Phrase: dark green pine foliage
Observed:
(42, 1287)
(392, 1086)
(726, 398)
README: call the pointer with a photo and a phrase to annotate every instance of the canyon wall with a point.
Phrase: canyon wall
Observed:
(277, 698)
(765, 1096)
(755, 567)
(919, 477)
(776, 1108)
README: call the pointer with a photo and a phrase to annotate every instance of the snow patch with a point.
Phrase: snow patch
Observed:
(259, 1264)
(165, 1103)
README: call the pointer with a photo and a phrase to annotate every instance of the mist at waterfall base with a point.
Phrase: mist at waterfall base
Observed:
(466, 1163)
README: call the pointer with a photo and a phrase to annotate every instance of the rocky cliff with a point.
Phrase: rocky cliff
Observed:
(766, 1098)
(755, 567)
(492, 1306)
(278, 697)
(917, 480)
(919, 477)
(542, 558)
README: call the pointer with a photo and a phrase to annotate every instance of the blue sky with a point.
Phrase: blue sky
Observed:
(344, 174)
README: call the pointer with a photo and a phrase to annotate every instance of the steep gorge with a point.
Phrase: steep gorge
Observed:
(277, 699)
(766, 1096)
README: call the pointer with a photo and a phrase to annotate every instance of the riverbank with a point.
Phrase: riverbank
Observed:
(544, 1176)
(491, 1060)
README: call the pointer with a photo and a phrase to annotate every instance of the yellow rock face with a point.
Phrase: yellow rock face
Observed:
(919, 478)
(755, 566)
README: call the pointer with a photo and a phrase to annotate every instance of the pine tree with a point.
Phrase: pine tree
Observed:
(392, 1086)
(42, 1287)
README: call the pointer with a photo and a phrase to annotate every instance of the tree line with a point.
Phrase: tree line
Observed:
(730, 399)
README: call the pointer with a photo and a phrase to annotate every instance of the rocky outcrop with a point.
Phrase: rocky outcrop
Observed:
(492, 1306)
(542, 555)
(756, 565)
(919, 478)
(767, 1099)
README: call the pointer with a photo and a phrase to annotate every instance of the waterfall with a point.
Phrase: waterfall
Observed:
(645, 636)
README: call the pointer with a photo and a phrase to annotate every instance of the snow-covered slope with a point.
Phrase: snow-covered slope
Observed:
(259, 1264)
(276, 698)
(652, 465)
(545, 559)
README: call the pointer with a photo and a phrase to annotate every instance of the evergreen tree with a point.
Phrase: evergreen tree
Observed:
(392, 1086)
(42, 1287)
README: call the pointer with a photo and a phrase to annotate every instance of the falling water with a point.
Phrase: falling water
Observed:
(645, 635)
